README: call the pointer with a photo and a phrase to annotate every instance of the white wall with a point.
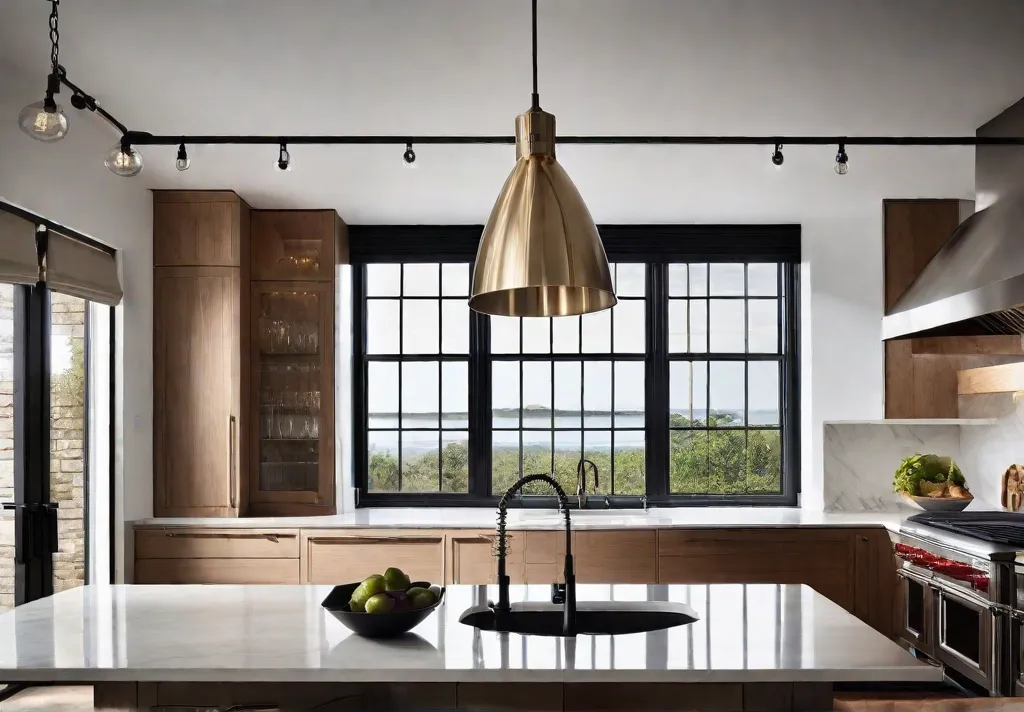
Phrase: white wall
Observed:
(67, 183)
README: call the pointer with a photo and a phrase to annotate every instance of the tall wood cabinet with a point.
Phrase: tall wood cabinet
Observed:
(200, 300)
(243, 357)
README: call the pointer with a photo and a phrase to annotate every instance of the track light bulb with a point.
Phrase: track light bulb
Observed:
(284, 159)
(44, 121)
(842, 166)
(182, 162)
(777, 158)
(124, 160)
(409, 156)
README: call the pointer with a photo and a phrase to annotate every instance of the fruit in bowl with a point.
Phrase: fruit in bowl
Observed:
(932, 482)
(383, 605)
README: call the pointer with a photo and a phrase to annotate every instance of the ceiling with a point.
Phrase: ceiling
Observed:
(463, 67)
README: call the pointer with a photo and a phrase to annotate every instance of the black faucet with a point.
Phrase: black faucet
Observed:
(581, 481)
(503, 606)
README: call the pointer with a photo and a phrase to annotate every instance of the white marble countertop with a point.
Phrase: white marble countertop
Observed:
(484, 518)
(745, 633)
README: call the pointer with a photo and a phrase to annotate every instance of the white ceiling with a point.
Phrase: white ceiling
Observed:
(462, 67)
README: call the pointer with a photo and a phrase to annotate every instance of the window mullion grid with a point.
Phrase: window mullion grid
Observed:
(360, 379)
(440, 376)
(401, 352)
(656, 375)
(480, 438)
(746, 378)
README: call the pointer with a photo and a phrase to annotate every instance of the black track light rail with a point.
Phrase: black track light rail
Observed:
(82, 100)
(141, 138)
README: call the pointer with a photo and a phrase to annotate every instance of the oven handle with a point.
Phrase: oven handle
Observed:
(958, 592)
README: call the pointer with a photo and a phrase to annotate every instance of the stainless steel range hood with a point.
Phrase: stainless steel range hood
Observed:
(975, 283)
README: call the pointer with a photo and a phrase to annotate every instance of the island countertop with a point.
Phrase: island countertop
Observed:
(746, 633)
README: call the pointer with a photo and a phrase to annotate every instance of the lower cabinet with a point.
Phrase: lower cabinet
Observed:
(852, 567)
(336, 557)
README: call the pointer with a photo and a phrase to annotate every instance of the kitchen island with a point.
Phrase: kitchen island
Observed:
(754, 646)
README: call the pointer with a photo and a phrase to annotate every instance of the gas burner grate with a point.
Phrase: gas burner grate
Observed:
(1005, 528)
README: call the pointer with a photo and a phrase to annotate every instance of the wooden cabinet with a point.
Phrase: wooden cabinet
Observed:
(199, 228)
(471, 558)
(209, 556)
(629, 556)
(300, 245)
(197, 403)
(292, 372)
(336, 557)
(820, 558)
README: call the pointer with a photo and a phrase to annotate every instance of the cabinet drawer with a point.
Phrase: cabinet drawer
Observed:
(254, 571)
(616, 556)
(344, 558)
(472, 558)
(216, 544)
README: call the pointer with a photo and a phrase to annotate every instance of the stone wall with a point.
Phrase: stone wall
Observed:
(67, 438)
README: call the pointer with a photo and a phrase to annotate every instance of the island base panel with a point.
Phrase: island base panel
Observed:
(498, 696)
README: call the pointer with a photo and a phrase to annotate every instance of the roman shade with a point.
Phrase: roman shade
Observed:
(19, 263)
(75, 268)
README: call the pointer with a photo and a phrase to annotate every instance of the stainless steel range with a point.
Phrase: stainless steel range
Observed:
(962, 593)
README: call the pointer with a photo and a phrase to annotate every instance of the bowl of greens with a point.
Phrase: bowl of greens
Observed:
(932, 482)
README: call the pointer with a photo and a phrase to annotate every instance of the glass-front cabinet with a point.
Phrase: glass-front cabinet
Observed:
(292, 461)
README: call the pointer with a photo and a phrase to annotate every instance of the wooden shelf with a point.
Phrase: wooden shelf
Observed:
(991, 379)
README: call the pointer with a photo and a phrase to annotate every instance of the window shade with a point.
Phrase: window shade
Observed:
(18, 261)
(77, 269)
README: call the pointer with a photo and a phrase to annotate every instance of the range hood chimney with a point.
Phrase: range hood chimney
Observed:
(975, 283)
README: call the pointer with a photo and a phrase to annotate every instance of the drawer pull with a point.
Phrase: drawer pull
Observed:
(375, 540)
(274, 537)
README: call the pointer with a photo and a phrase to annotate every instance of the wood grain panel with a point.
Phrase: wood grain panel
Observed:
(197, 543)
(214, 571)
(281, 237)
(820, 558)
(627, 556)
(336, 558)
(967, 346)
(875, 581)
(471, 558)
(198, 228)
(197, 419)
(665, 697)
(993, 379)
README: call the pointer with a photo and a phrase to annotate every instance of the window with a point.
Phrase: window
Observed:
(684, 392)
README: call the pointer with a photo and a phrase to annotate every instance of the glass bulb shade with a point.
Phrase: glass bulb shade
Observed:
(540, 253)
(842, 167)
(43, 125)
(182, 164)
(123, 163)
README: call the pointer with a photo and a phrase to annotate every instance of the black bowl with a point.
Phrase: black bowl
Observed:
(375, 625)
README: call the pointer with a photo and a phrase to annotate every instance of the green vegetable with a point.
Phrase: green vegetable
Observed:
(928, 468)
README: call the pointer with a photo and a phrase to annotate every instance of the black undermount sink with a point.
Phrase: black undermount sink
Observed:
(592, 618)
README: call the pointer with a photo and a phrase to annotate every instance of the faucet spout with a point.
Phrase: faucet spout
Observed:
(581, 480)
(504, 606)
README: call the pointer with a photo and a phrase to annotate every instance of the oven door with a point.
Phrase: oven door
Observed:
(966, 640)
(917, 612)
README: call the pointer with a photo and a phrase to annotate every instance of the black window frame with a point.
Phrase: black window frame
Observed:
(655, 245)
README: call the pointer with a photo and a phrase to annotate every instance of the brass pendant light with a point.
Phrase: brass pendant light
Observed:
(540, 253)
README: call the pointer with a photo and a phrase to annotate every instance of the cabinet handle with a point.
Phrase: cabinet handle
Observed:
(229, 535)
(375, 539)
(231, 462)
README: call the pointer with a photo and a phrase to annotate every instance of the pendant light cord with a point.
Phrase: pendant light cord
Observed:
(536, 96)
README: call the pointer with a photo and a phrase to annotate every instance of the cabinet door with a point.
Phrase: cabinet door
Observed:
(295, 244)
(623, 556)
(196, 388)
(199, 229)
(472, 558)
(332, 558)
(292, 371)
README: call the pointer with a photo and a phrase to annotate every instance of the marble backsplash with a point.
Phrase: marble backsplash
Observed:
(860, 459)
